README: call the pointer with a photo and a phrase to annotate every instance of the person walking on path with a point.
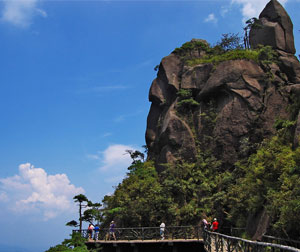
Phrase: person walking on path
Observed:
(90, 231)
(162, 230)
(96, 230)
(205, 224)
(112, 230)
(215, 225)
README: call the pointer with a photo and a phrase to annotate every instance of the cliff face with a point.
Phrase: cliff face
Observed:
(228, 107)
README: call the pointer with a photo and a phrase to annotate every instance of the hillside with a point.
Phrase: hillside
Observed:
(222, 136)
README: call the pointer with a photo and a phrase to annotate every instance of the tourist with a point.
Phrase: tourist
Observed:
(112, 230)
(96, 230)
(162, 230)
(205, 224)
(90, 231)
(215, 225)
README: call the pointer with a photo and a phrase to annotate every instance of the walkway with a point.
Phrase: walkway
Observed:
(216, 242)
(148, 239)
(178, 239)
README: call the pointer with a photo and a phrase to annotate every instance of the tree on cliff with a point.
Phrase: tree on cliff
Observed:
(75, 243)
(89, 215)
(230, 41)
(135, 155)
(270, 180)
(250, 23)
(138, 200)
(179, 195)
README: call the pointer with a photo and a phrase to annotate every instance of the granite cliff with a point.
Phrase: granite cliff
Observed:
(224, 107)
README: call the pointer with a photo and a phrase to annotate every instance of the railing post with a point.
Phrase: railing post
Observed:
(216, 243)
(222, 244)
(210, 241)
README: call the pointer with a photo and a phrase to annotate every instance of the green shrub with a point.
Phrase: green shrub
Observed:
(283, 124)
(266, 55)
(230, 41)
(229, 55)
(184, 93)
(186, 101)
(188, 47)
(75, 243)
(262, 55)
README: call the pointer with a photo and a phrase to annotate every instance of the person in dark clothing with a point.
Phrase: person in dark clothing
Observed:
(112, 230)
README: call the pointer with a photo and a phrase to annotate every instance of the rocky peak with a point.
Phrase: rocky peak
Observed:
(274, 28)
(228, 107)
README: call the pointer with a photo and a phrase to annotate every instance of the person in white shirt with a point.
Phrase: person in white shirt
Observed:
(162, 230)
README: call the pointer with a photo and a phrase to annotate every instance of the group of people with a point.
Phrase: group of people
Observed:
(214, 226)
(96, 229)
(93, 229)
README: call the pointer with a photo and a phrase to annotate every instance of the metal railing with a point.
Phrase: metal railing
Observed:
(282, 241)
(147, 233)
(216, 242)
(232, 231)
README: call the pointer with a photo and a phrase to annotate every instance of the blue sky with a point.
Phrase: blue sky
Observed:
(74, 81)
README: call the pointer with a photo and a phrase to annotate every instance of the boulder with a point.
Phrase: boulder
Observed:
(169, 70)
(290, 66)
(274, 28)
(195, 77)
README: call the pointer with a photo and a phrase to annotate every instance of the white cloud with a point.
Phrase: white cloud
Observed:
(211, 19)
(113, 162)
(21, 12)
(252, 8)
(35, 191)
(114, 158)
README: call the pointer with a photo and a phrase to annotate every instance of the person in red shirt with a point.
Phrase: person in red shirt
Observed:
(215, 225)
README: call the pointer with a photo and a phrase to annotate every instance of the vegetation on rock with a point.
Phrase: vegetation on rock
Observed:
(91, 214)
(186, 101)
(264, 55)
(269, 179)
(180, 195)
(75, 244)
